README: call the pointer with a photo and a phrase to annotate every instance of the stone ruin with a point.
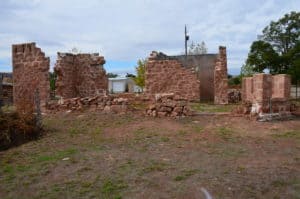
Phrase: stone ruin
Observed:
(80, 75)
(30, 73)
(194, 77)
(264, 93)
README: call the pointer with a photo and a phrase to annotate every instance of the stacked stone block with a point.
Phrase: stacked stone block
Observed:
(167, 75)
(80, 75)
(30, 72)
(220, 78)
(267, 93)
(168, 105)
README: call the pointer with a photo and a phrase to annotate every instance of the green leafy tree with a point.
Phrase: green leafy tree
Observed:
(53, 78)
(130, 75)
(277, 48)
(247, 70)
(262, 56)
(140, 73)
(112, 75)
(197, 49)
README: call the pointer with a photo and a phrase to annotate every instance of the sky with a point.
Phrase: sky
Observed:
(125, 31)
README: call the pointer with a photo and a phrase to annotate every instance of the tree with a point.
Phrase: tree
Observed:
(112, 75)
(140, 73)
(130, 75)
(53, 78)
(247, 71)
(277, 48)
(284, 33)
(197, 49)
(262, 56)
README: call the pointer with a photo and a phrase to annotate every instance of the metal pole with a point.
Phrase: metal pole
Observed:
(185, 41)
(186, 38)
(1, 93)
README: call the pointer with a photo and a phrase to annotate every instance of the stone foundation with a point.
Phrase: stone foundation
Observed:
(168, 105)
(80, 75)
(30, 72)
(106, 104)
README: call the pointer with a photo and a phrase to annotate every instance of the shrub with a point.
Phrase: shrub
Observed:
(17, 128)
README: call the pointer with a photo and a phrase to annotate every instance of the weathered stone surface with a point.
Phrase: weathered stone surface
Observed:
(80, 75)
(183, 76)
(220, 78)
(30, 72)
(105, 104)
(166, 104)
(267, 93)
(169, 76)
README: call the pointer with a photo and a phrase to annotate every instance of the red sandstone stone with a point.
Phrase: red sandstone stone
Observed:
(30, 72)
(80, 75)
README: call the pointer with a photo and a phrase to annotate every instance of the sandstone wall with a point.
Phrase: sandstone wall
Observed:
(220, 78)
(30, 72)
(80, 75)
(167, 75)
(267, 93)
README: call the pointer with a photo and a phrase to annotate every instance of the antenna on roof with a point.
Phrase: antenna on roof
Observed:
(186, 38)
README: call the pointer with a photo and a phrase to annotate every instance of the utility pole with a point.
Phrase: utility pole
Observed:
(186, 38)
(1, 92)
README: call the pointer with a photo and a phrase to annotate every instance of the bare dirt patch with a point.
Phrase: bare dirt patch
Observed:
(90, 155)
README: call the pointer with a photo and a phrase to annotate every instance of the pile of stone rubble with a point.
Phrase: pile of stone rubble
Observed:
(168, 104)
(98, 103)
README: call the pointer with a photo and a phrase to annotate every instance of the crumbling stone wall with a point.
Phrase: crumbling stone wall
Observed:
(221, 78)
(195, 77)
(267, 93)
(167, 75)
(80, 75)
(30, 72)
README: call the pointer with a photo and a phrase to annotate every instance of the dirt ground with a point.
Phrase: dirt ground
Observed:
(93, 155)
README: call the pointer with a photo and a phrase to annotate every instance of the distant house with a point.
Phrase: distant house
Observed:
(122, 85)
(6, 89)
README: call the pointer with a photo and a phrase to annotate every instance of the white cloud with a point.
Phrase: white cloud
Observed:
(129, 30)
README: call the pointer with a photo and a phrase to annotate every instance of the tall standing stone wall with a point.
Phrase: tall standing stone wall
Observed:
(167, 75)
(80, 75)
(221, 78)
(267, 93)
(30, 72)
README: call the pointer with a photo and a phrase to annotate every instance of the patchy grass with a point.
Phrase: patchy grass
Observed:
(154, 166)
(186, 174)
(112, 188)
(56, 156)
(212, 108)
(226, 133)
(295, 134)
(112, 156)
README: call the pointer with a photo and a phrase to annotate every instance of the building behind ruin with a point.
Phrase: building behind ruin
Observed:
(80, 75)
(195, 77)
(6, 89)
